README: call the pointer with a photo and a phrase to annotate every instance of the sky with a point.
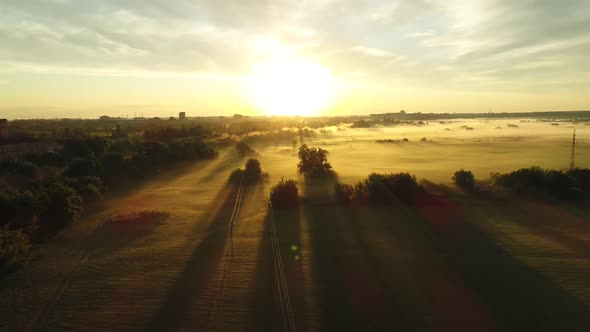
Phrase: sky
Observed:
(74, 58)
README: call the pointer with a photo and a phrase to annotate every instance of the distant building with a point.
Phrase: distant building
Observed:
(3, 128)
(181, 115)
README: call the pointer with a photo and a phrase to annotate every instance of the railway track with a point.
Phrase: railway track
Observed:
(283, 290)
(218, 301)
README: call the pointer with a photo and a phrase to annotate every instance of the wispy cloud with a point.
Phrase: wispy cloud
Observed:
(451, 44)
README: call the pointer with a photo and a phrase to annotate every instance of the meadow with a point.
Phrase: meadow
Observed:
(174, 252)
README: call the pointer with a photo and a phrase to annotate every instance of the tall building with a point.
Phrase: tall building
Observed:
(181, 115)
(3, 128)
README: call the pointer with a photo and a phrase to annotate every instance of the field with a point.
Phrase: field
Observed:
(164, 257)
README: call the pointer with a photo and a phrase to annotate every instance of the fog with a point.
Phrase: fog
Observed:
(483, 146)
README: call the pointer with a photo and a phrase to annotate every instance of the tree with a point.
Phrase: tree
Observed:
(244, 149)
(464, 179)
(64, 206)
(14, 247)
(285, 194)
(313, 161)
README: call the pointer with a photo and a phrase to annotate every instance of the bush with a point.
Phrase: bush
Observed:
(64, 206)
(245, 150)
(285, 194)
(380, 188)
(14, 248)
(581, 179)
(89, 187)
(536, 181)
(464, 179)
(313, 162)
(250, 174)
(253, 171)
(385, 188)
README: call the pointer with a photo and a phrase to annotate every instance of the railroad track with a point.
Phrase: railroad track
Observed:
(227, 257)
(283, 289)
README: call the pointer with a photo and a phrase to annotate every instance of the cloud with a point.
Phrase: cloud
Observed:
(430, 43)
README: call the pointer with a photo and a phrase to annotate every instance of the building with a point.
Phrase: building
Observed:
(3, 128)
(181, 115)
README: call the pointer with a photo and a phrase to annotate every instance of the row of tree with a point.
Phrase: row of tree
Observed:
(81, 173)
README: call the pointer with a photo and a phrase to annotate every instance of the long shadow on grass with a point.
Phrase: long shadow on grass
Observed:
(192, 280)
(520, 298)
(265, 304)
(389, 307)
(230, 160)
(352, 285)
(543, 218)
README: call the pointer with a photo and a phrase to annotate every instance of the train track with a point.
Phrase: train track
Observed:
(227, 256)
(285, 301)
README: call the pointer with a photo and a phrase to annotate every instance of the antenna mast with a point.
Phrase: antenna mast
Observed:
(572, 159)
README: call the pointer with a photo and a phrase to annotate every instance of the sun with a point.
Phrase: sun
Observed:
(285, 85)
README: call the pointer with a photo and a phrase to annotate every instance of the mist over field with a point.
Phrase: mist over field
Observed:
(481, 145)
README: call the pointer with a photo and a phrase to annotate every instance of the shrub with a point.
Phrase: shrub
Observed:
(244, 149)
(285, 194)
(313, 161)
(380, 188)
(14, 248)
(581, 179)
(541, 182)
(464, 179)
(253, 171)
(89, 187)
(384, 188)
(64, 206)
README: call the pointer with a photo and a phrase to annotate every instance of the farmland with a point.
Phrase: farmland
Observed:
(185, 250)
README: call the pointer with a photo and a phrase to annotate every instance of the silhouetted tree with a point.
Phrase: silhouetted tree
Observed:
(285, 194)
(63, 206)
(244, 149)
(313, 161)
(464, 179)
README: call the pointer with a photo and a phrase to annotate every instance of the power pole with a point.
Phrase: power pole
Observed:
(301, 134)
(572, 158)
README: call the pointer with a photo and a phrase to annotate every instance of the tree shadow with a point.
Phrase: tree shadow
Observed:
(231, 159)
(391, 306)
(265, 304)
(331, 267)
(519, 297)
(192, 280)
(353, 287)
(543, 219)
(123, 231)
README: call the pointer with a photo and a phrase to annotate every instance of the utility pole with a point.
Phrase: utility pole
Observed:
(572, 159)
(301, 135)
